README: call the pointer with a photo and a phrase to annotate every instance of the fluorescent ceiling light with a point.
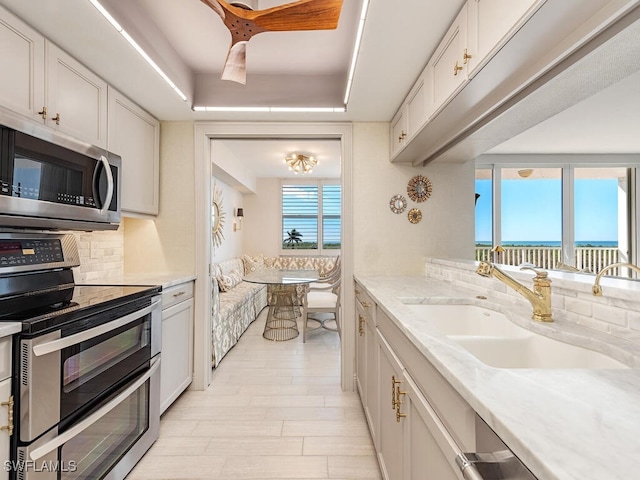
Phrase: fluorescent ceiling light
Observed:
(272, 109)
(356, 49)
(137, 48)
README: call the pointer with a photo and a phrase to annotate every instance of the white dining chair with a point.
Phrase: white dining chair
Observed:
(321, 300)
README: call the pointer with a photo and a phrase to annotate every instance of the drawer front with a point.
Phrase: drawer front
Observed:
(453, 410)
(176, 294)
(5, 357)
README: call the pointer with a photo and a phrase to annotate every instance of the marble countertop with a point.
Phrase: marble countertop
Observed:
(9, 328)
(167, 280)
(564, 424)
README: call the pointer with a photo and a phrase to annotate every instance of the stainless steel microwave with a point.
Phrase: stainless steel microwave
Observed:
(47, 185)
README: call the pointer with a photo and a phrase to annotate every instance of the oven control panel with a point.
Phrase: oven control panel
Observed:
(30, 252)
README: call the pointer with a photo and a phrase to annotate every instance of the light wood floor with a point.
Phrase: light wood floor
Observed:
(274, 410)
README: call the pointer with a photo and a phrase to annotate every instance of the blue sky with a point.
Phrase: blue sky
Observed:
(531, 210)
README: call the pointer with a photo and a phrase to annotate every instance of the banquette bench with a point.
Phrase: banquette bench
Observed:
(236, 304)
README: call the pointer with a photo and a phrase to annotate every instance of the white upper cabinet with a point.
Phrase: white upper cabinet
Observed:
(135, 136)
(398, 131)
(22, 77)
(76, 98)
(448, 67)
(43, 83)
(491, 24)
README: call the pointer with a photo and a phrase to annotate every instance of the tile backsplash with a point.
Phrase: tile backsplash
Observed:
(101, 255)
(617, 312)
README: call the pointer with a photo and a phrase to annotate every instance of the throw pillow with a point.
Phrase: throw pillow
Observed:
(228, 281)
(253, 264)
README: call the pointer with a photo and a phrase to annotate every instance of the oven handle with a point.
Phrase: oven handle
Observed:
(56, 442)
(61, 343)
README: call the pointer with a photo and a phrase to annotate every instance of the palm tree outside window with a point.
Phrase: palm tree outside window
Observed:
(311, 216)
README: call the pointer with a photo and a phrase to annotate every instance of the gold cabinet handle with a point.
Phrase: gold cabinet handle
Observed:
(366, 304)
(361, 325)
(179, 294)
(43, 113)
(465, 56)
(56, 119)
(456, 69)
(358, 292)
(402, 136)
(9, 405)
(398, 404)
(394, 382)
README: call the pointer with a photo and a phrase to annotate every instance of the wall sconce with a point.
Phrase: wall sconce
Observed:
(237, 223)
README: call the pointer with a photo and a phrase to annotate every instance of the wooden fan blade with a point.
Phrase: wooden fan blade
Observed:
(215, 6)
(300, 15)
(235, 68)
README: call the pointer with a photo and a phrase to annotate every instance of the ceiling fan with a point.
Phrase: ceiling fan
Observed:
(244, 22)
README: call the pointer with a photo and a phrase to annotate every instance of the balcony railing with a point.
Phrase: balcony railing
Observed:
(588, 259)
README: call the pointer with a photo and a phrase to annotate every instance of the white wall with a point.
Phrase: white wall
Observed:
(388, 243)
(166, 243)
(231, 245)
(261, 226)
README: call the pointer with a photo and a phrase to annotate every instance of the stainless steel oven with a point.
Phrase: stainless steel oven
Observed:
(86, 366)
(64, 185)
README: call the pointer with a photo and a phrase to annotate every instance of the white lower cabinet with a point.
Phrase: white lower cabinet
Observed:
(5, 396)
(390, 437)
(177, 343)
(429, 449)
(6, 405)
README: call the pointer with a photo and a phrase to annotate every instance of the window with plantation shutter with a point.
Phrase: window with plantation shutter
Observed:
(311, 218)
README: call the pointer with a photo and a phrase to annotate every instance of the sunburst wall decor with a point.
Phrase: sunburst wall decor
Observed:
(217, 217)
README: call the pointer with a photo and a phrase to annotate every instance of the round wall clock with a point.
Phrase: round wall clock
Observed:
(414, 215)
(397, 204)
(419, 188)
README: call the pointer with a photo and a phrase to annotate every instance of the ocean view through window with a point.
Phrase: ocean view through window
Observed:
(311, 216)
(569, 217)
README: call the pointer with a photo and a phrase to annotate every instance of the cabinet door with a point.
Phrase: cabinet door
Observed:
(429, 451)
(5, 393)
(22, 77)
(361, 355)
(177, 352)
(390, 438)
(447, 65)
(135, 136)
(398, 131)
(491, 24)
(417, 107)
(372, 409)
(76, 98)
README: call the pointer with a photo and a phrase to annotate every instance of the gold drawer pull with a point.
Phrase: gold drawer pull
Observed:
(465, 56)
(366, 304)
(179, 294)
(398, 403)
(9, 405)
(393, 391)
(361, 324)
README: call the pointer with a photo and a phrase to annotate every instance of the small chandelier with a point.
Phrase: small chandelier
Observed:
(300, 163)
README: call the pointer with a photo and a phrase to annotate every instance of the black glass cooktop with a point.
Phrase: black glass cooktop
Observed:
(85, 301)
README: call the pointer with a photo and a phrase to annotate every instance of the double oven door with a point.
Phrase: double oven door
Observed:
(88, 406)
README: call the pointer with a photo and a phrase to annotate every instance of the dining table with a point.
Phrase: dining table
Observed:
(286, 301)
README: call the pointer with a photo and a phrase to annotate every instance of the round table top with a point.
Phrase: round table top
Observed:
(282, 277)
